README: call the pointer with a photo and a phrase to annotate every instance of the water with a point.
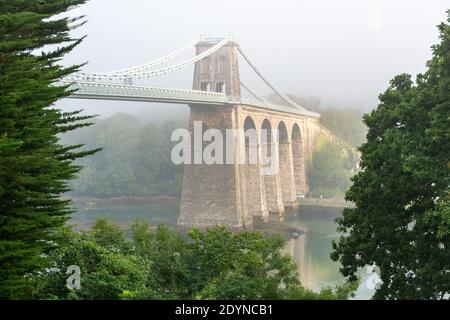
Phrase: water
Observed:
(311, 251)
(124, 213)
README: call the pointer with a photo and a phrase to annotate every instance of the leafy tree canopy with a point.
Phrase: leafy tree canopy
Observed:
(331, 168)
(401, 219)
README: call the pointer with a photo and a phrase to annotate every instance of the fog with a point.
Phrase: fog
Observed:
(344, 52)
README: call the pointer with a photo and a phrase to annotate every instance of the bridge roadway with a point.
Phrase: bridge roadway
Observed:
(123, 92)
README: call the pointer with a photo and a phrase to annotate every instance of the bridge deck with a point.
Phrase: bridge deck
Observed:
(123, 92)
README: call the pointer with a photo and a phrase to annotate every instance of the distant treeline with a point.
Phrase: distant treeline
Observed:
(135, 160)
(346, 123)
(332, 165)
(331, 169)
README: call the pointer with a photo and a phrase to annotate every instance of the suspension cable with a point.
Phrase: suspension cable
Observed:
(275, 89)
(253, 93)
(153, 63)
(154, 73)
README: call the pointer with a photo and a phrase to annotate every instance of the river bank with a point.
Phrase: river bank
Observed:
(87, 202)
(165, 209)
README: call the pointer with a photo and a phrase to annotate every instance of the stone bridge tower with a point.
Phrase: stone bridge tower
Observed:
(212, 193)
(219, 72)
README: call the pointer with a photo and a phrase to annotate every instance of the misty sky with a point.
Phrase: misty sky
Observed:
(342, 51)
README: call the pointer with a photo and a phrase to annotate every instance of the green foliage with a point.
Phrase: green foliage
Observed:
(338, 292)
(105, 273)
(34, 165)
(331, 168)
(135, 160)
(169, 271)
(241, 265)
(162, 264)
(401, 219)
(109, 236)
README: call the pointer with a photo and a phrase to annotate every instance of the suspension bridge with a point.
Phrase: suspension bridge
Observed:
(118, 85)
(217, 95)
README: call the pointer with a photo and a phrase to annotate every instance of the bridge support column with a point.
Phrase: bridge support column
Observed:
(298, 155)
(272, 185)
(214, 194)
(287, 175)
(256, 195)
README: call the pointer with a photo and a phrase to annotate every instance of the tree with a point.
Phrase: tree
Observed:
(134, 161)
(34, 166)
(243, 265)
(401, 219)
(105, 271)
(331, 168)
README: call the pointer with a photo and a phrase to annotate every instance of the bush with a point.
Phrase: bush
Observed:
(162, 264)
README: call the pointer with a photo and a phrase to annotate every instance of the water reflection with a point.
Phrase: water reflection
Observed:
(311, 251)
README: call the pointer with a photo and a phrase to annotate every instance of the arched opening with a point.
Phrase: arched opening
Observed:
(298, 159)
(286, 166)
(249, 123)
(296, 134)
(251, 141)
(220, 87)
(204, 86)
(282, 133)
(266, 136)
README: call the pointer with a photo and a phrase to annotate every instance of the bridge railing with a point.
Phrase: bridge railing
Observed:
(277, 107)
(95, 89)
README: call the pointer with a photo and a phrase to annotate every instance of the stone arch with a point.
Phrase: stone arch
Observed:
(283, 136)
(296, 134)
(270, 165)
(255, 195)
(251, 140)
(298, 158)
(266, 135)
(249, 123)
